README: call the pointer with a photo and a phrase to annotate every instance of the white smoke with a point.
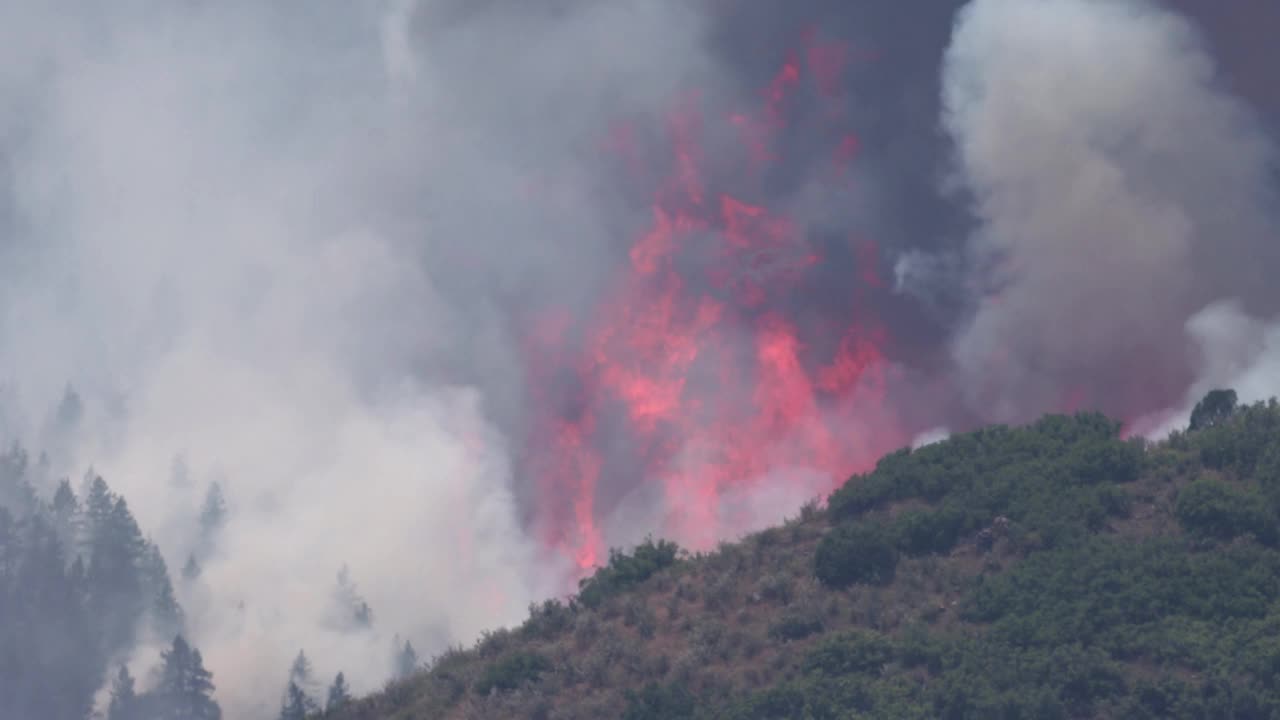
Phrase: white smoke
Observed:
(1118, 191)
(267, 242)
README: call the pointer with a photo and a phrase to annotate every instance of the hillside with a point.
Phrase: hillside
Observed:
(1048, 571)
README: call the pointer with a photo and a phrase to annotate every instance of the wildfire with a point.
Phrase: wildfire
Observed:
(701, 351)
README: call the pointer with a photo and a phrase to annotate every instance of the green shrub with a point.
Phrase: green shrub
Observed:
(547, 620)
(795, 627)
(1213, 409)
(920, 532)
(660, 702)
(627, 571)
(850, 652)
(1215, 509)
(855, 554)
(512, 671)
(1239, 442)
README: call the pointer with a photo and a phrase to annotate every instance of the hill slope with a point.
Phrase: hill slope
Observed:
(1049, 571)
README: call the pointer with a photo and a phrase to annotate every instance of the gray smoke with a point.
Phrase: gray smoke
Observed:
(1118, 189)
(271, 242)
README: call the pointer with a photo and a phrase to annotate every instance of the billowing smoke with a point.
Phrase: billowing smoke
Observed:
(1118, 191)
(457, 294)
(267, 247)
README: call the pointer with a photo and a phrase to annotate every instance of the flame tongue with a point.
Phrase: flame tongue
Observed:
(697, 348)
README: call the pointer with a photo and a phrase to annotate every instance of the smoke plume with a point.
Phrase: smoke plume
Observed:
(1118, 190)
(268, 248)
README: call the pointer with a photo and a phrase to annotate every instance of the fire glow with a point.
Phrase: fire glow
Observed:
(701, 356)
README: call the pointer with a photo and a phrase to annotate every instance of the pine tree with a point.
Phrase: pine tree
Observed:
(70, 410)
(165, 611)
(48, 628)
(213, 514)
(115, 581)
(350, 611)
(15, 486)
(98, 504)
(192, 569)
(300, 671)
(297, 704)
(125, 704)
(186, 688)
(66, 512)
(65, 505)
(339, 694)
(406, 660)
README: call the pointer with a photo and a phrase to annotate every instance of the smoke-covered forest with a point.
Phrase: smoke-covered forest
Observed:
(84, 594)
(334, 335)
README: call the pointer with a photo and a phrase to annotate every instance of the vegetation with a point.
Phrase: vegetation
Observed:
(79, 585)
(1050, 571)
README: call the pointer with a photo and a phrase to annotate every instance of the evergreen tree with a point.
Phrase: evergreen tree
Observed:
(350, 611)
(297, 704)
(66, 512)
(45, 624)
(65, 506)
(70, 410)
(339, 694)
(185, 691)
(213, 514)
(125, 704)
(406, 660)
(15, 487)
(115, 582)
(165, 611)
(300, 671)
(192, 569)
(10, 546)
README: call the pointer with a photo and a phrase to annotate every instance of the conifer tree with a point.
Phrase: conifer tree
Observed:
(165, 611)
(350, 611)
(213, 514)
(185, 691)
(297, 704)
(339, 694)
(192, 569)
(125, 704)
(406, 660)
(114, 579)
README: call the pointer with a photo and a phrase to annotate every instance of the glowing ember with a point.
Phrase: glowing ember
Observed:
(697, 352)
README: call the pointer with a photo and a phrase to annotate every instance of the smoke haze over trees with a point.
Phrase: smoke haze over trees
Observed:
(357, 327)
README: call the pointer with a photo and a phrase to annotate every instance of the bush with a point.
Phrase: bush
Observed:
(1239, 442)
(659, 702)
(795, 627)
(850, 652)
(920, 532)
(513, 671)
(547, 620)
(855, 554)
(1215, 407)
(776, 589)
(626, 571)
(1213, 508)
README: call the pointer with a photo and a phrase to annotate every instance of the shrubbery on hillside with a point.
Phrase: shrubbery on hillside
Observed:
(1050, 571)
(625, 571)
